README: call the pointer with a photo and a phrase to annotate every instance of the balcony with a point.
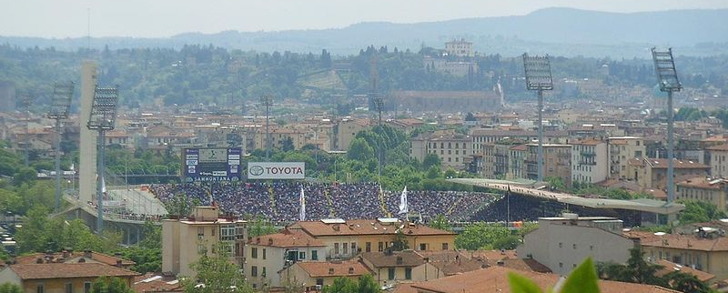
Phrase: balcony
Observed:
(588, 154)
(589, 163)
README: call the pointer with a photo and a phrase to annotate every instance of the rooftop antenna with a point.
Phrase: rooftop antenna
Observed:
(102, 119)
(538, 78)
(60, 104)
(669, 83)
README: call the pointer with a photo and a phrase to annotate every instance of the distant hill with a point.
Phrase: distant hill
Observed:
(555, 31)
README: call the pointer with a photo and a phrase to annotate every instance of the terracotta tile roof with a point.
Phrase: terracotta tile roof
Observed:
(333, 269)
(519, 147)
(495, 279)
(73, 257)
(451, 262)
(364, 227)
(689, 242)
(396, 259)
(587, 142)
(68, 270)
(704, 183)
(721, 147)
(669, 267)
(287, 238)
(678, 164)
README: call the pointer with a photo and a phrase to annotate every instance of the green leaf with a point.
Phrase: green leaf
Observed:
(583, 279)
(521, 284)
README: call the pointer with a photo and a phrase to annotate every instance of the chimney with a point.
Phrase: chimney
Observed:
(331, 271)
(351, 270)
(87, 254)
(118, 263)
(399, 260)
(270, 241)
(66, 254)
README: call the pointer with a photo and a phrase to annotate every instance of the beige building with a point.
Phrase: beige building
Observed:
(452, 148)
(652, 173)
(266, 256)
(346, 131)
(621, 149)
(184, 240)
(589, 161)
(556, 162)
(712, 190)
(718, 160)
(459, 48)
(482, 136)
(562, 243)
(706, 251)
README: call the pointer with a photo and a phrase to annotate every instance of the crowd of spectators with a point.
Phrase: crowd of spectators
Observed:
(279, 201)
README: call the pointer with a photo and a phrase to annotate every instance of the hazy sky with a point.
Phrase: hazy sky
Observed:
(163, 18)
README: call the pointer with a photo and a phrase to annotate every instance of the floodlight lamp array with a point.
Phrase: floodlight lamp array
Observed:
(538, 72)
(61, 100)
(665, 69)
(103, 109)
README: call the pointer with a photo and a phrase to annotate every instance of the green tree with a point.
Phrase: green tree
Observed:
(697, 211)
(367, 284)
(216, 273)
(10, 288)
(261, 226)
(431, 160)
(342, 285)
(360, 150)
(110, 285)
(508, 242)
(480, 236)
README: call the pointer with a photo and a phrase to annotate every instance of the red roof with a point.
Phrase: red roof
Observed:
(68, 270)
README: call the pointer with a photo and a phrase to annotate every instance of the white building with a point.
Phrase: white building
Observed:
(589, 161)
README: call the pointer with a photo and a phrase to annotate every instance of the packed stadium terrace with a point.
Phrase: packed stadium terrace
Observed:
(279, 201)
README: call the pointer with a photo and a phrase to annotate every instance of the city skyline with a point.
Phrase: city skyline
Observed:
(165, 18)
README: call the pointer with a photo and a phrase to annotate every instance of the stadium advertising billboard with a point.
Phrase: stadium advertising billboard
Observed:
(280, 170)
(212, 164)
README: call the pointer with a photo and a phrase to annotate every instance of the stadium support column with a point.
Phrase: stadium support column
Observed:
(669, 83)
(87, 164)
(267, 101)
(538, 78)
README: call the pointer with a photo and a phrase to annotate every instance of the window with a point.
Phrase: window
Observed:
(561, 245)
(574, 245)
(301, 255)
(262, 272)
(200, 232)
(445, 246)
(40, 288)
(561, 264)
(254, 271)
(254, 252)
(314, 255)
(336, 248)
(264, 253)
(227, 233)
(346, 248)
(69, 287)
(408, 273)
(353, 248)
(423, 246)
(381, 246)
(390, 274)
(368, 247)
(86, 287)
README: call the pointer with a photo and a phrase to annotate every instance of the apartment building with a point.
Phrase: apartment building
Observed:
(712, 190)
(589, 161)
(705, 250)
(459, 48)
(556, 162)
(652, 173)
(185, 239)
(621, 149)
(718, 162)
(452, 148)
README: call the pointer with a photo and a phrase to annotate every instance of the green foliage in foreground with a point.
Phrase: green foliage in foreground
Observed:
(365, 284)
(110, 285)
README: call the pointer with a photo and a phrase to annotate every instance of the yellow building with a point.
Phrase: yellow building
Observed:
(621, 149)
(718, 161)
(652, 173)
(184, 240)
(61, 277)
(316, 275)
(346, 238)
(712, 190)
(706, 250)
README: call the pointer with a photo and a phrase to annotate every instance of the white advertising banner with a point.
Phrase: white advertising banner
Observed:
(280, 170)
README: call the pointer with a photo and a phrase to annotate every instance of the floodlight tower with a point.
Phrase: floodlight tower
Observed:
(25, 101)
(267, 100)
(60, 104)
(667, 77)
(538, 78)
(102, 118)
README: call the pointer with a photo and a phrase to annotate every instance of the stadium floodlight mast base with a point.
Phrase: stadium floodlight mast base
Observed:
(669, 83)
(538, 78)
(102, 119)
(60, 105)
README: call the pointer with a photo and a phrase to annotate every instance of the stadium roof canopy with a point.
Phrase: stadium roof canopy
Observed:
(643, 204)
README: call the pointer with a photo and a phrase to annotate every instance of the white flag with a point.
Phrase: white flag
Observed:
(403, 207)
(302, 199)
(103, 185)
